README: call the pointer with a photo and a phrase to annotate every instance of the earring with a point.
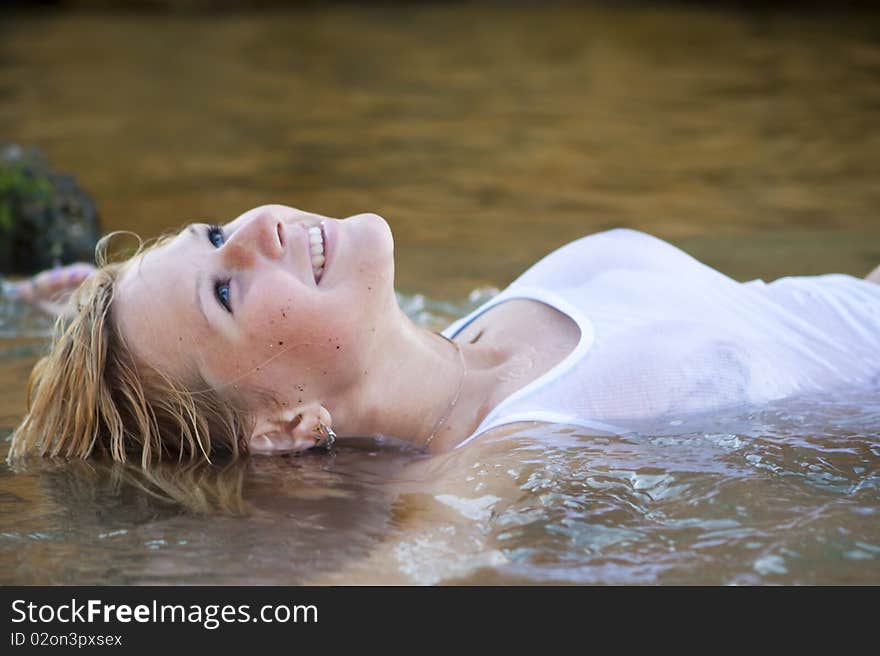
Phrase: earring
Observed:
(325, 437)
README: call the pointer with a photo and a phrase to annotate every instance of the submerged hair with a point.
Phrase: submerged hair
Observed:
(90, 394)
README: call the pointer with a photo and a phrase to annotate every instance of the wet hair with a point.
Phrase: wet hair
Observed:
(91, 395)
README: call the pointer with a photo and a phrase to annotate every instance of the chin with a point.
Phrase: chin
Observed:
(376, 226)
(375, 242)
(372, 246)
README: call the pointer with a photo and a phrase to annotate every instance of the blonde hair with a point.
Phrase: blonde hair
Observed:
(91, 394)
(78, 486)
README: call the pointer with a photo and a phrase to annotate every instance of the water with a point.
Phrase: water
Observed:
(785, 495)
(749, 139)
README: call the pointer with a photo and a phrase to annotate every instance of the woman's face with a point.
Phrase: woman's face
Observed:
(248, 306)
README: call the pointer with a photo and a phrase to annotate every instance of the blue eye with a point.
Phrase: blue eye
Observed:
(221, 290)
(215, 236)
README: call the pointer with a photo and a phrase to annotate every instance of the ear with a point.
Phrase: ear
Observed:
(285, 431)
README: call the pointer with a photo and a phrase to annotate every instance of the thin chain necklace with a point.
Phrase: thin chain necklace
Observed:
(457, 392)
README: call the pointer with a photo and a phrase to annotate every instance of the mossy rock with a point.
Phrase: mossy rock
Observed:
(46, 218)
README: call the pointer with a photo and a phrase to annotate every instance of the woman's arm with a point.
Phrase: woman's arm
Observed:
(50, 290)
(874, 276)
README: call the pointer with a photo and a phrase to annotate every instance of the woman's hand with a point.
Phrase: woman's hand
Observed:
(51, 289)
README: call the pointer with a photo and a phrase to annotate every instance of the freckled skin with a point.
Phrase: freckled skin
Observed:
(267, 281)
(337, 352)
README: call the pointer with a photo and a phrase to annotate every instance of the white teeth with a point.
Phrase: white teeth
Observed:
(316, 250)
(316, 240)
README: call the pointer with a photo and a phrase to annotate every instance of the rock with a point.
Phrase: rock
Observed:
(46, 218)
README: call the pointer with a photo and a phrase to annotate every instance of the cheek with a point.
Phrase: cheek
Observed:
(311, 331)
(308, 360)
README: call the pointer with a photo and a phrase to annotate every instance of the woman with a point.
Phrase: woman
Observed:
(281, 330)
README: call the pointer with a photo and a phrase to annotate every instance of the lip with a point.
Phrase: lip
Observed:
(328, 231)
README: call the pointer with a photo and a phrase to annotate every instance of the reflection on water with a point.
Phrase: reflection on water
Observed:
(788, 494)
(486, 137)
(774, 496)
(267, 520)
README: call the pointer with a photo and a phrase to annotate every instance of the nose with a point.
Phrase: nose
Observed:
(261, 236)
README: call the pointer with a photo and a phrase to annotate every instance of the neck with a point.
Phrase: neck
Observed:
(416, 390)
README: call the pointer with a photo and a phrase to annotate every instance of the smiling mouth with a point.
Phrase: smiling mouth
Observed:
(316, 251)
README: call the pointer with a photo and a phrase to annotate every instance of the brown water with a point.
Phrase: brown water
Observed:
(486, 137)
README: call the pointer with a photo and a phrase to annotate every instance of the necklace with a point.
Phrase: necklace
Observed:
(457, 393)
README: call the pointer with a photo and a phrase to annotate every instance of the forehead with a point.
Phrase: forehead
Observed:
(155, 305)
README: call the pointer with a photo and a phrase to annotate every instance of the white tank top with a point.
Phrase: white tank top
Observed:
(662, 334)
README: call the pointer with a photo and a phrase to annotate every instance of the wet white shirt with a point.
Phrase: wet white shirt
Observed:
(663, 334)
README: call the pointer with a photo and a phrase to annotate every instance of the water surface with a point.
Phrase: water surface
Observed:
(487, 137)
